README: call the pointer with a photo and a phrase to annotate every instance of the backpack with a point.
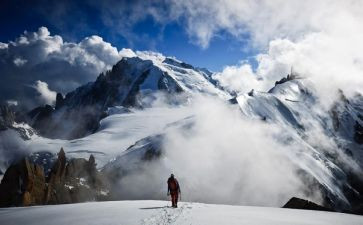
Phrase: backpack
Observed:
(173, 184)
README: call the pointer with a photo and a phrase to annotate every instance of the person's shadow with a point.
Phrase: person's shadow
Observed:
(158, 207)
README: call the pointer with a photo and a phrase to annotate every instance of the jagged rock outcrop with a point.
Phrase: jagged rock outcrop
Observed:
(55, 191)
(78, 180)
(298, 203)
(75, 181)
(59, 101)
(7, 117)
(287, 78)
(22, 185)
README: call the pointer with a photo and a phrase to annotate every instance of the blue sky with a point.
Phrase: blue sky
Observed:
(74, 21)
(311, 36)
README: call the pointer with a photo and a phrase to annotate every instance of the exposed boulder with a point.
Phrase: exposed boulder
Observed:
(22, 185)
(298, 203)
(251, 93)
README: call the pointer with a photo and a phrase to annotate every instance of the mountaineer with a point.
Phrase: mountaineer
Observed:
(173, 190)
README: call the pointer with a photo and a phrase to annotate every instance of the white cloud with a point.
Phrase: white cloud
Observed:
(126, 52)
(19, 61)
(3, 45)
(331, 62)
(230, 160)
(240, 78)
(264, 20)
(46, 95)
(12, 102)
(319, 39)
(62, 65)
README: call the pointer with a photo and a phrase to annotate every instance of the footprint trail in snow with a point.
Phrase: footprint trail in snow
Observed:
(169, 215)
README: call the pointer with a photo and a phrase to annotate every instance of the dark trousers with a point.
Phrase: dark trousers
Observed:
(174, 199)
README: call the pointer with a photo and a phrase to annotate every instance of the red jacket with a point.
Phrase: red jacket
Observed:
(173, 185)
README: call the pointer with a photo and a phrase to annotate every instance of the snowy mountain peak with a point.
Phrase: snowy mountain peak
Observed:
(135, 81)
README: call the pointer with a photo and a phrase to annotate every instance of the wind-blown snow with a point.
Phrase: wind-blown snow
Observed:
(158, 212)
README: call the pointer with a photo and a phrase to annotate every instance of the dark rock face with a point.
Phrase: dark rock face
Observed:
(55, 181)
(7, 117)
(285, 79)
(40, 119)
(298, 203)
(78, 180)
(59, 101)
(355, 193)
(171, 61)
(23, 185)
(58, 171)
(358, 133)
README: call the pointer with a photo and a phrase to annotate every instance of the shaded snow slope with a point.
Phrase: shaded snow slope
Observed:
(157, 212)
(117, 132)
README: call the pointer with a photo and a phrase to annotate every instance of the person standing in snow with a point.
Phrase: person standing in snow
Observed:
(173, 190)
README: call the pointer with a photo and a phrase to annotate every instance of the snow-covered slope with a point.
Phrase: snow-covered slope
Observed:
(158, 212)
(117, 132)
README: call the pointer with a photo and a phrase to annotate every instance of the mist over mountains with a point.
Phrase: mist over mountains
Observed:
(256, 107)
(152, 115)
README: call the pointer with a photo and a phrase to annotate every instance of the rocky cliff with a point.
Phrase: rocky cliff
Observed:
(78, 180)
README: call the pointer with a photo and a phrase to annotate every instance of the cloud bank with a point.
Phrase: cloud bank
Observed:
(46, 95)
(319, 39)
(40, 56)
(224, 158)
